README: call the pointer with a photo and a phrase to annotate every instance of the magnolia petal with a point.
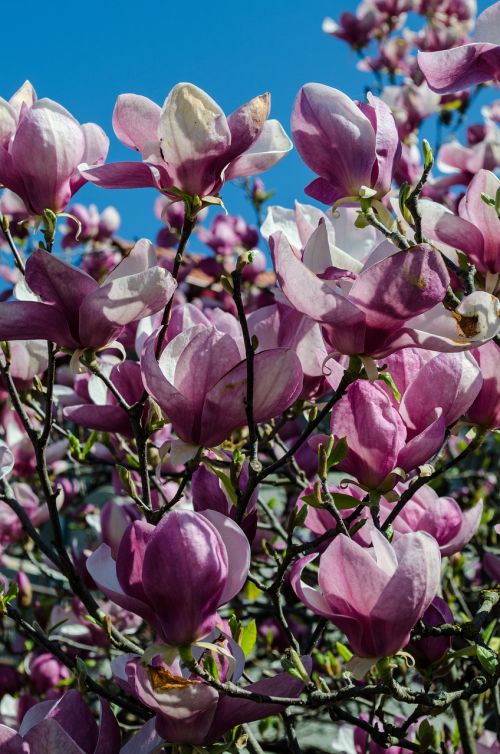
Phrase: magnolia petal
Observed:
(460, 67)
(121, 175)
(135, 120)
(102, 569)
(271, 146)
(238, 553)
(31, 320)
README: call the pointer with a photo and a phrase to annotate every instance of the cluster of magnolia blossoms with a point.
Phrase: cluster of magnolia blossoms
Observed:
(153, 404)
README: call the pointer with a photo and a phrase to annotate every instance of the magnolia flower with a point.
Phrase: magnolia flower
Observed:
(200, 383)
(432, 648)
(41, 146)
(384, 435)
(475, 231)
(189, 145)
(394, 301)
(441, 517)
(355, 29)
(473, 63)
(46, 671)
(347, 247)
(350, 146)
(94, 406)
(28, 358)
(461, 162)
(190, 711)
(93, 225)
(63, 727)
(374, 595)
(209, 493)
(74, 311)
(178, 595)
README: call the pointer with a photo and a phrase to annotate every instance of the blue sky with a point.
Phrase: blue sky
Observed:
(85, 54)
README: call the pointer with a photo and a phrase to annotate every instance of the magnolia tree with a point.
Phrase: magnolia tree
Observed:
(245, 509)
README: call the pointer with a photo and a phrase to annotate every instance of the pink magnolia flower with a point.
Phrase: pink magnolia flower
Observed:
(441, 517)
(99, 408)
(349, 145)
(63, 727)
(189, 145)
(74, 311)
(374, 595)
(228, 233)
(200, 383)
(190, 711)
(488, 743)
(473, 63)
(384, 435)
(94, 225)
(178, 596)
(345, 247)
(491, 565)
(208, 493)
(13, 208)
(41, 146)
(354, 28)
(432, 648)
(11, 529)
(461, 162)
(394, 301)
(28, 358)
(410, 105)
(46, 672)
(475, 231)
(485, 410)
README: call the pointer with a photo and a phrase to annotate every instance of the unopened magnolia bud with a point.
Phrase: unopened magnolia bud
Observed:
(25, 591)
(127, 481)
(155, 416)
(226, 284)
(428, 155)
(153, 456)
(322, 462)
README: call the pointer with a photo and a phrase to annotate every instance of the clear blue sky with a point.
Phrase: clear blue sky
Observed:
(84, 54)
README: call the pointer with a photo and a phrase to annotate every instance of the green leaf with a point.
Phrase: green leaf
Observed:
(343, 651)
(487, 199)
(88, 445)
(252, 592)
(210, 666)
(427, 736)
(234, 626)
(294, 666)
(344, 502)
(488, 631)
(312, 500)
(387, 378)
(248, 637)
(300, 516)
(74, 446)
(488, 659)
(338, 452)
(226, 482)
